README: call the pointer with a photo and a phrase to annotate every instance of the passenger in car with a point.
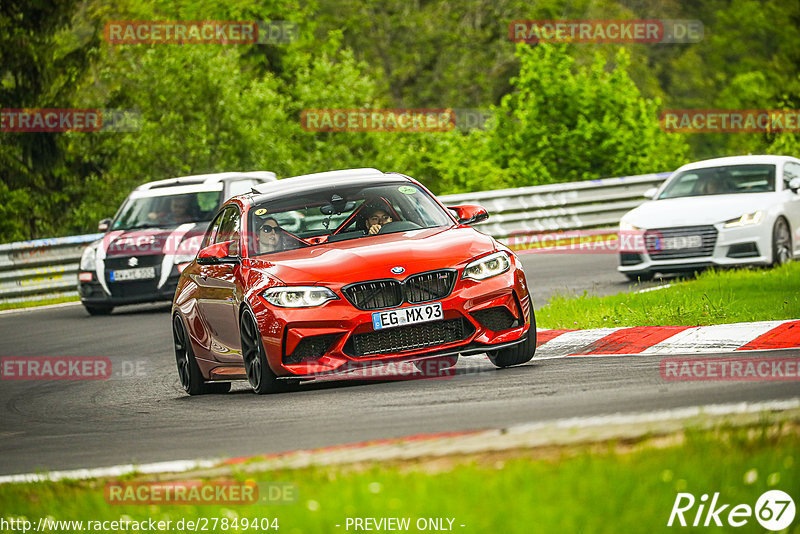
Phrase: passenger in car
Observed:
(270, 237)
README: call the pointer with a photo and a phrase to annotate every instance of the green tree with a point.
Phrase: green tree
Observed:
(564, 122)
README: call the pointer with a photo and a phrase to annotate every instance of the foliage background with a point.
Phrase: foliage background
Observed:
(558, 112)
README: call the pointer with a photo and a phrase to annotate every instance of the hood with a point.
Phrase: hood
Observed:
(373, 257)
(183, 239)
(692, 211)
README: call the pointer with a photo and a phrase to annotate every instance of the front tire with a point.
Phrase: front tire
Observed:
(781, 242)
(189, 373)
(517, 354)
(260, 376)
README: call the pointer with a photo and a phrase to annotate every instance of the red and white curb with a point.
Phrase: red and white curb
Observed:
(763, 335)
(558, 431)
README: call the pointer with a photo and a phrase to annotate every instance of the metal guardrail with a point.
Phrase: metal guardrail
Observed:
(45, 268)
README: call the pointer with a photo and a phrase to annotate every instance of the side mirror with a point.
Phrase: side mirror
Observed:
(469, 213)
(650, 194)
(104, 225)
(794, 184)
(219, 254)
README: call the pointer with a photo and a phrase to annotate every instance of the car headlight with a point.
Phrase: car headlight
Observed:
(744, 220)
(487, 266)
(298, 296)
(625, 226)
(89, 259)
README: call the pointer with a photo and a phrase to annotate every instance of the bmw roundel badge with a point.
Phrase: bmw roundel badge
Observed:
(398, 270)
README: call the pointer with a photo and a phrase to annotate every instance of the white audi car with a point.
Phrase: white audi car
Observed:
(719, 212)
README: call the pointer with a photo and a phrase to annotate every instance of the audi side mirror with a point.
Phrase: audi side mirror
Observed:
(650, 194)
(104, 225)
(794, 184)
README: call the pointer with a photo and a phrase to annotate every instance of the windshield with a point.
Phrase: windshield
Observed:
(167, 210)
(340, 214)
(721, 181)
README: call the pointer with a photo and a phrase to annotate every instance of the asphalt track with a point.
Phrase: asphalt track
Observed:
(141, 415)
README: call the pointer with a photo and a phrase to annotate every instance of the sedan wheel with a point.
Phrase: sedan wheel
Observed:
(189, 373)
(781, 242)
(260, 376)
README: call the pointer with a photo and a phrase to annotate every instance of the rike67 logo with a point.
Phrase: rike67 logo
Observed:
(774, 510)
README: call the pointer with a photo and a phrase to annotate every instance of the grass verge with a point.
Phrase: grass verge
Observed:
(713, 297)
(601, 487)
(36, 303)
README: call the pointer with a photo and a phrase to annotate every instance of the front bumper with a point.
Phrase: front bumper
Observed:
(303, 343)
(747, 245)
(128, 292)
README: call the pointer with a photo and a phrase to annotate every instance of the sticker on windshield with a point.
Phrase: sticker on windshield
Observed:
(407, 189)
(261, 211)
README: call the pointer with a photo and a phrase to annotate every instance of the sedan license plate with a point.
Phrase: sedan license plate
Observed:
(404, 316)
(142, 273)
(681, 242)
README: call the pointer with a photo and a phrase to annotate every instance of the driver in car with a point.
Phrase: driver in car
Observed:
(376, 218)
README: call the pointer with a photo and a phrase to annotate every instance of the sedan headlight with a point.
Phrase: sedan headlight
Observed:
(744, 220)
(298, 296)
(89, 259)
(487, 266)
(625, 226)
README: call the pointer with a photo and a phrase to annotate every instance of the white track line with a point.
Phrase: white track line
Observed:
(573, 342)
(347, 454)
(717, 338)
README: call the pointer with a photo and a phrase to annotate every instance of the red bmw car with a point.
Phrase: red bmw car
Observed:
(328, 272)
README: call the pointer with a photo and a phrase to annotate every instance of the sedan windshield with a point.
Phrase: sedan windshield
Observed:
(330, 215)
(167, 210)
(721, 181)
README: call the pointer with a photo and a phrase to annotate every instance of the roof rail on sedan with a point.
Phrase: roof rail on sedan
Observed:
(205, 179)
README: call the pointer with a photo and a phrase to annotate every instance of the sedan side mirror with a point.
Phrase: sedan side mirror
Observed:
(469, 213)
(794, 184)
(219, 254)
(104, 225)
(650, 194)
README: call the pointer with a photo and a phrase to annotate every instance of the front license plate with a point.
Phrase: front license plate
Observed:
(404, 316)
(142, 273)
(681, 242)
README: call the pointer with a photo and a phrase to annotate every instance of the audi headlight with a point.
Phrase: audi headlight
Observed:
(89, 258)
(625, 226)
(488, 266)
(298, 296)
(745, 220)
